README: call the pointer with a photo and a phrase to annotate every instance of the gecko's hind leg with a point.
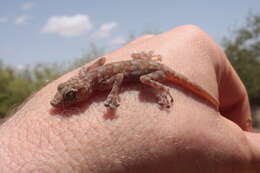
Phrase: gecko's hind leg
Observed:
(100, 62)
(112, 100)
(153, 79)
(146, 55)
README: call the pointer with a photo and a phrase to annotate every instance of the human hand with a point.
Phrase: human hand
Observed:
(139, 137)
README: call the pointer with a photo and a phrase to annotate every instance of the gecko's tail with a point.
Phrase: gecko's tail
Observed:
(183, 82)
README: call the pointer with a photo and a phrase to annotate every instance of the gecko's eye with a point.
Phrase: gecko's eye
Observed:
(61, 86)
(70, 95)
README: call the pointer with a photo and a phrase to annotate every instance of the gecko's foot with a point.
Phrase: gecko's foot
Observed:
(165, 99)
(112, 102)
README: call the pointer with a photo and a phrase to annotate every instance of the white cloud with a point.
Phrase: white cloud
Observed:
(68, 26)
(105, 30)
(21, 19)
(4, 19)
(27, 6)
(118, 41)
(20, 67)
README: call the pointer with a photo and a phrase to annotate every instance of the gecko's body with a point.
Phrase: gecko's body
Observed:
(110, 76)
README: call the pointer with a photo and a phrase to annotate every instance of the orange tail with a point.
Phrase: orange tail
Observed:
(183, 82)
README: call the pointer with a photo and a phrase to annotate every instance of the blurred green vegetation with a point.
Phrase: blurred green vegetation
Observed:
(242, 48)
(18, 84)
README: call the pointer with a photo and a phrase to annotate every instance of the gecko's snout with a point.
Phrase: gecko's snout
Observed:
(55, 102)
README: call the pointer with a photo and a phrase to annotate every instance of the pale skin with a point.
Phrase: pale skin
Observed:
(189, 137)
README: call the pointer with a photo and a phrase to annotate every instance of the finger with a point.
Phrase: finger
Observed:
(233, 96)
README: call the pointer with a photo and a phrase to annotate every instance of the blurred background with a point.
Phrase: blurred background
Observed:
(41, 40)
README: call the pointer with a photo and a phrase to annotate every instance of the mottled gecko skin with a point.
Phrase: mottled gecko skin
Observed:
(110, 77)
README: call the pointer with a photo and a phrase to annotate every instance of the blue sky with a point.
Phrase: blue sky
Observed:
(33, 31)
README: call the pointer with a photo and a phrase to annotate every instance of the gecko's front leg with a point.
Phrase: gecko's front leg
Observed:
(112, 100)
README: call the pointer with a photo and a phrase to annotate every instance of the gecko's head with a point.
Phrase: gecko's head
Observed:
(67, 95)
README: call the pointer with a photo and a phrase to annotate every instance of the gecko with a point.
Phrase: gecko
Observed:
(143, 67)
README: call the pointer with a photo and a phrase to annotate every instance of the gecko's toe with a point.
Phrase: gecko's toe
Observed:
(165, 100)
(111, 103)
(164, 104)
